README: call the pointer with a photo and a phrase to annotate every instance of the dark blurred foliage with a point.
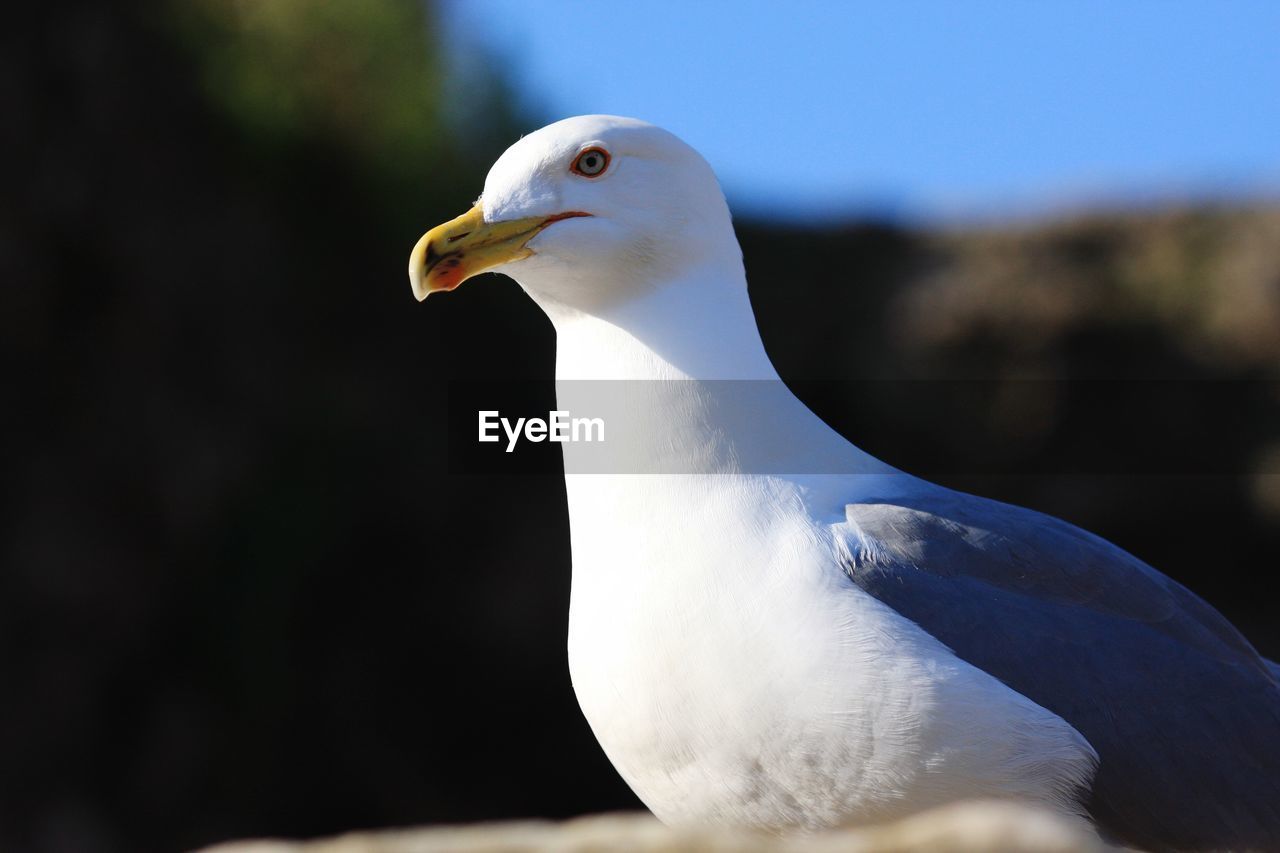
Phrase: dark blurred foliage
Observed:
(240, 592)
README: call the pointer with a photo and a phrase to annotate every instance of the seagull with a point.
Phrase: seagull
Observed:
(770, 628)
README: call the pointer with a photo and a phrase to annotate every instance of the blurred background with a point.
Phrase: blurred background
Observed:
(242, 592)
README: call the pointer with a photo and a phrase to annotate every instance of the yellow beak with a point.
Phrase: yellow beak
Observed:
(451, 253)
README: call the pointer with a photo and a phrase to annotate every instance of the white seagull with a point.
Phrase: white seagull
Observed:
(770, 628)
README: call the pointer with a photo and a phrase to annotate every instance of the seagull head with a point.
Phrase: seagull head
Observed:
(584, 213)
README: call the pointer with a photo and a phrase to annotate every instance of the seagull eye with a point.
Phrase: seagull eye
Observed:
(590, 163)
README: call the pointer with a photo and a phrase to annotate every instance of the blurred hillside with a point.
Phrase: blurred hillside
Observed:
(241, 595)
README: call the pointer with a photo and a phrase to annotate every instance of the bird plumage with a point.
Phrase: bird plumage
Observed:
(769, 627)
(1184, 713)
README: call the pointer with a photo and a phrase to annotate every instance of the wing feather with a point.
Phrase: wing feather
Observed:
(1182, 710)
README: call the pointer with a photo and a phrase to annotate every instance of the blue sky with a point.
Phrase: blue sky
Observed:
(913, 109)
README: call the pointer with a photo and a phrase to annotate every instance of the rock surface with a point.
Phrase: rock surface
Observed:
(979, 827)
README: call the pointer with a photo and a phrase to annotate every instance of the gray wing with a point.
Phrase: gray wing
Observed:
(1182, 710)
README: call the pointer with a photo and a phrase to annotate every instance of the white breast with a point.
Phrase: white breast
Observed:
(733, 675)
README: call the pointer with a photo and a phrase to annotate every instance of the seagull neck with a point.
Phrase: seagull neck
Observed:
(699, 326)
(737, 417)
